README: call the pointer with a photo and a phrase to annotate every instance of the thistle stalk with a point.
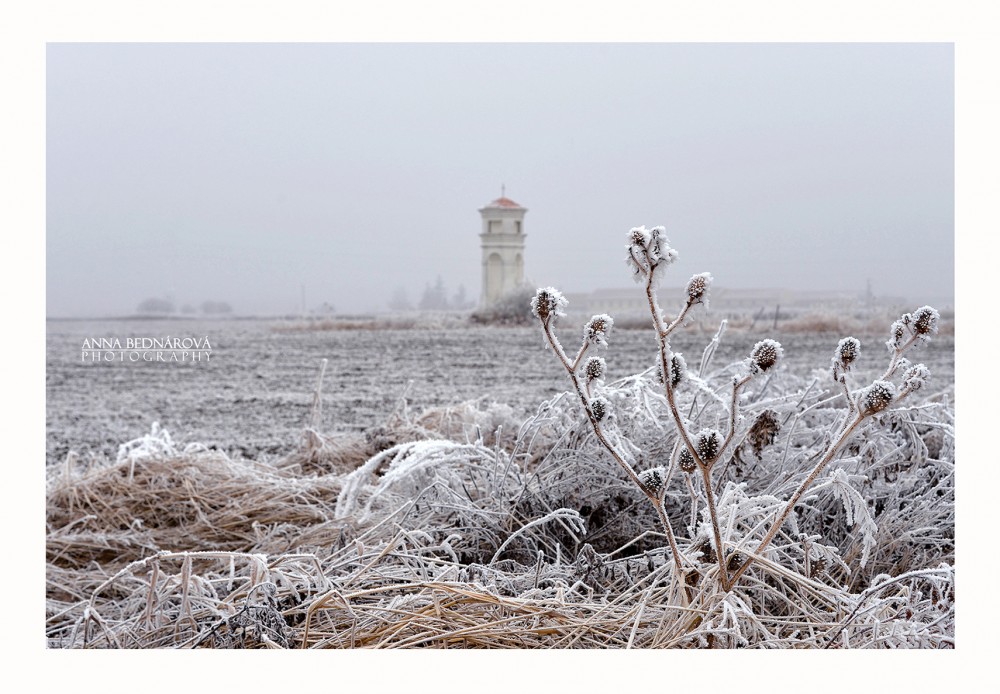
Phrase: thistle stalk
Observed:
(655, 499)
(806, 483)
(648, 254)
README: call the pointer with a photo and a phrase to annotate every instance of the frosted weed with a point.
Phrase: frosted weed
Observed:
(648, 254)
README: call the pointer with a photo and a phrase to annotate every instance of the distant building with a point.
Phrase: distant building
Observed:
(726, 301)
(503, 248)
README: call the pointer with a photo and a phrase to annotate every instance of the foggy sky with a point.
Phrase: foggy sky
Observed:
(243, 172)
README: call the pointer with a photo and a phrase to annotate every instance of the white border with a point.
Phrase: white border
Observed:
(972, 26)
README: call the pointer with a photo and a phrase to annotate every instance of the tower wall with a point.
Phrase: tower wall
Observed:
(502, 241)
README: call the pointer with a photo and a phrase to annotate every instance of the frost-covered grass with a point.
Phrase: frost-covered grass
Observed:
(529, 539)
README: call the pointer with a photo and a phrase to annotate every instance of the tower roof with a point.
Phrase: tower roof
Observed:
(505, 203)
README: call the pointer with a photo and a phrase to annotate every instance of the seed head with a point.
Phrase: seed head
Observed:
(647, 251)
(638, 238)
(594, 369)
(678, 369)
(597, 329)
(547, 302)
(707, 443)
(659, 247)
(686, 460)
(600, 408)
(916, 377)
(897, 331)
(635, 251)
(876, 397)
(653, 479)
(765, 355)
(697, 288)
(847, 351)
(763, 431)
(925, 320)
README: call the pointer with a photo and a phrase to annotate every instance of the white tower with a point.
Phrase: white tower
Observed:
(503, 248)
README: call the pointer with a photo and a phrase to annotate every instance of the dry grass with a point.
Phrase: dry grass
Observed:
(407, 321)
(827, 323)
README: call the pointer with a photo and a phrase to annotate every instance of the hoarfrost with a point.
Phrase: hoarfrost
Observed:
(855, 507)
(548, 301)
(597, 329)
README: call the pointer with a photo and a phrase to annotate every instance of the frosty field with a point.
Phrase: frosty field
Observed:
(254, 396)
(393, 515)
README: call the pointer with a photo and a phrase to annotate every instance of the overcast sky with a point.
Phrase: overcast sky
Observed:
(244, 172)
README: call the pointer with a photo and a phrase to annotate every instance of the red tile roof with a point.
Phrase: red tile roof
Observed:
(505, 202)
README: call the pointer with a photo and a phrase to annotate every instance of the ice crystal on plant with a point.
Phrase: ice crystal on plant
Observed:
(547, 302)
(659, 247)
(856, 511)
(845, 355)
(897, 331)
(638, 241)
(678, 370)
(653, 479)
(925, 320)
(876, 397)
(600, 407)
(597, 329)
(697, 288)
(765, 355)
(686, 461)
(916, 377)
(847, 352)
(595, 368)
(649, 251)
(639, 238)
(707, 443)
(920, 324)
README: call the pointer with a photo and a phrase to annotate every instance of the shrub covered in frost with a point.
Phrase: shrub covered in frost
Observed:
(507, 310)
(648, 254)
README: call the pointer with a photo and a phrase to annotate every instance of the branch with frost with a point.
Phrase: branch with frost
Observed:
(547, 306)
(648, 255)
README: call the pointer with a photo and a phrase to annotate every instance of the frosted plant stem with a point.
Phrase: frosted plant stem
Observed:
(806, 483)
(586, 406)
(897, 353)
(595, 425)
(674, 549)
(662, 333)
(665, 362)
(719, 553)
(733, 413)
(694, 501)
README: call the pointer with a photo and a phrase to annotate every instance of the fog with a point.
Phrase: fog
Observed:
(259, 174)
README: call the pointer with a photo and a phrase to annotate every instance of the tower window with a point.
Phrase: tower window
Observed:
(517, 226)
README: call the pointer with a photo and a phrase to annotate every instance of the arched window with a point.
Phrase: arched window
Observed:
(494, 277)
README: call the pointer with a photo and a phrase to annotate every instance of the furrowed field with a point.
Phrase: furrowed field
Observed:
(254, 396)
